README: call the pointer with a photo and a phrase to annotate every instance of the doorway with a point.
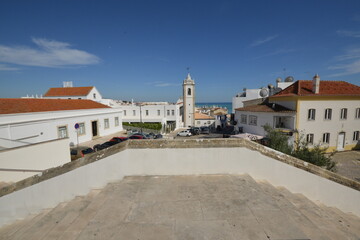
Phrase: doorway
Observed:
(94, 127)
(341, 141)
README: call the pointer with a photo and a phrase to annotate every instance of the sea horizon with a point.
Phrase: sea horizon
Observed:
(227, 105)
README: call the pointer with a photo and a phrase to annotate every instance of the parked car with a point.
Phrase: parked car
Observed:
(158, 136)
(195, 130)
(137, 137)
(204, 130)
(151, 135)
(185, 133)
(119, 139)
(79, 152)
(99, 147)
(139, 134)
(86, 151)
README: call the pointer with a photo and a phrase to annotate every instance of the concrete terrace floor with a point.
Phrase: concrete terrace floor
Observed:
(187, 207)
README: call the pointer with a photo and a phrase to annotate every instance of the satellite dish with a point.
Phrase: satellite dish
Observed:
(289, 79)
(278, 79)
(264, 92)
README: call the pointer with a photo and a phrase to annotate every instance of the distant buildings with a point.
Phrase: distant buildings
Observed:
(168, 114)
(324, 112)
(204, 120)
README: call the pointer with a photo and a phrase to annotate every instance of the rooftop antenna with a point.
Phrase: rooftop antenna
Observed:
(188, 70)
(284, 69)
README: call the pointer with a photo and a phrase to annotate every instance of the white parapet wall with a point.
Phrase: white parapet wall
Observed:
(160, 160)
(22, 162)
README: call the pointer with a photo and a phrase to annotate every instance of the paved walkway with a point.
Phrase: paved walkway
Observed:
(103, 139)
(224, 207)
(348, 164)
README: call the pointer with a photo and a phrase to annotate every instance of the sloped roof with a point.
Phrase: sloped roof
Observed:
(68, 91)
(327, 88)
(264, 108)
(27, 105)
(199, 116)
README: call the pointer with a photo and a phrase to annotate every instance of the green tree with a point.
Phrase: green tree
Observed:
(277, 140)
(315, 154)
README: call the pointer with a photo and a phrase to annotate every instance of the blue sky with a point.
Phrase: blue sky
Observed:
(141, 49)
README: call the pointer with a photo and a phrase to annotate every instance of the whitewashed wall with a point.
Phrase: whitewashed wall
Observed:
(175, 161)
(204, 122)
(38, 156)
(43, 126)
(263, 118)
(333, 126)
(153, 115)
(237, 102)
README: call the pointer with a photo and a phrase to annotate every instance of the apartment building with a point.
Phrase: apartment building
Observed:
(324, 112)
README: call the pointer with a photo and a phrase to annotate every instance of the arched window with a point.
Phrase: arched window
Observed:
(189, 91)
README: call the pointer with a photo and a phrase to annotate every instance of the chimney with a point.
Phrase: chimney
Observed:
(316, 84)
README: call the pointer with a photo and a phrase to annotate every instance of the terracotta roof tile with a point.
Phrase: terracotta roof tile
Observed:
(265, 108)
(68, 91)
(27, 105)
(199, 116)
(327, 88)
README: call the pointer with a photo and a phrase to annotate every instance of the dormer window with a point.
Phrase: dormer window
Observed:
(189, 91)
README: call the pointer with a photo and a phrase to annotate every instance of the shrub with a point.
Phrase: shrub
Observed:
(155, 126)
(315, 155)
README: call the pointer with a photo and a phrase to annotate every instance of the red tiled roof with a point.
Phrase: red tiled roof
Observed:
(68, 91)
(199, 116)
(327, 88)
(27, 105)
(265, 108)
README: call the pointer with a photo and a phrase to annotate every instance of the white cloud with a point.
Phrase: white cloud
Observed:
(49, 53)
(163, 84)
(351, 63)
(346, 33)
(262, 41)
(277, 52)
(4, 67)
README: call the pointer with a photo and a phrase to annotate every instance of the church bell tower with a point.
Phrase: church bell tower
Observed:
(189, 101)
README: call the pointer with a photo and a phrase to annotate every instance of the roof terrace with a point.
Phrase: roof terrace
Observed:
(183, 189)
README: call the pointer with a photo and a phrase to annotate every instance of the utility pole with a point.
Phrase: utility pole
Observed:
(141, 131)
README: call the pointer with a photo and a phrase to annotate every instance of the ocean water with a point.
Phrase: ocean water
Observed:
(227, 105)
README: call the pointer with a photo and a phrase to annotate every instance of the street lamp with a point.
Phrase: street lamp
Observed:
(140, 119)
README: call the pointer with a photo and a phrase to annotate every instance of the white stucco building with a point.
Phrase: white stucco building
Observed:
(321, 112)
(251, 94)
(167, 114)
(203, 120)
(251, 119)
(26, 121)
(70, 92)
(90, 93)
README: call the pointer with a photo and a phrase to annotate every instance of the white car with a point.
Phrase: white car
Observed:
(185, 133)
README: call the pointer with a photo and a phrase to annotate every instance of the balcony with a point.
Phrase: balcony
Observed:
(284, 123)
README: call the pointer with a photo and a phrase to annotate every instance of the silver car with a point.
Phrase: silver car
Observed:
(185, 133)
